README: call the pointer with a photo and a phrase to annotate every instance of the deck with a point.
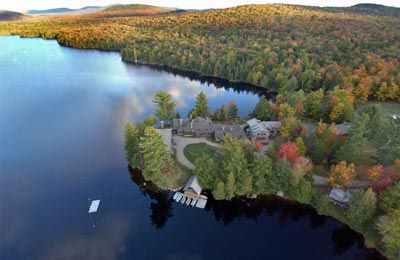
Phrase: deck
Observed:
(192, 201)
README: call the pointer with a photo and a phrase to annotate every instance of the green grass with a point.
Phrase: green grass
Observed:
(388, 108)
(193, 151)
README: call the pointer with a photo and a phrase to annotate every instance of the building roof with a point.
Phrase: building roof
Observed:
(340, 195)
(343, 128)
(193, 183)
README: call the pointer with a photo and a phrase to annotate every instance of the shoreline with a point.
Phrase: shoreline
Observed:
(219, 82)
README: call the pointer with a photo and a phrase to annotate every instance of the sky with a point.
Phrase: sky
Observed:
(24, 5)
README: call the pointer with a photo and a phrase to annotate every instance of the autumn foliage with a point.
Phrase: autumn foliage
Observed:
(342, 175)
(288, 151)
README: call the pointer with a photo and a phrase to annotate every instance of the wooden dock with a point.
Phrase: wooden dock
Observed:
(191, 201)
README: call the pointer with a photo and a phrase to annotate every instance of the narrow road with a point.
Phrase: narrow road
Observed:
(323, 181)
(181, 142)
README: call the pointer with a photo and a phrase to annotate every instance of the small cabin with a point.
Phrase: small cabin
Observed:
(191, 195)
(340, 196)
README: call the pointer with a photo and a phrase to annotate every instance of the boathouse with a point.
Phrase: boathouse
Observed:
(191, 195)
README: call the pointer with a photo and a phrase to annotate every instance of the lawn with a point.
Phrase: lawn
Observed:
(388, 108)
(193, 151)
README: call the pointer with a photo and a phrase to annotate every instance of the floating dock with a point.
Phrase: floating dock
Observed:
(192, 201)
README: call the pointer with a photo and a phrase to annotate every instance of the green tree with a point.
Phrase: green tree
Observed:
(362, 209)
(264, 110)
(230, 186)
(280, 181)
(261, 170)
(302, 192)
(207, 171)
(157, 162)
(219, 190)
(389, 228)
(353, 149)
(232, 110)
(220, 114)
(390, 198)
(202, 109)
(132, 139)
(165, 105)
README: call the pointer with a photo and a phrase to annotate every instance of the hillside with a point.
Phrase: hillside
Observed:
(10, 15)
(369, 9)
(280, 47)
(62, 10)
(133, 10)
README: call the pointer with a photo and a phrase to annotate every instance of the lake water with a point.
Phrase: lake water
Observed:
(62, 114)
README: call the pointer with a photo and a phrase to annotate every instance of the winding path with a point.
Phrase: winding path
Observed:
(181, 142)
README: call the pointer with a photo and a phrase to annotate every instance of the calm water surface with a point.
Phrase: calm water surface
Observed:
(62, 113)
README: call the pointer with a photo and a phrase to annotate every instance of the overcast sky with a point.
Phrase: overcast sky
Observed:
(24, 5)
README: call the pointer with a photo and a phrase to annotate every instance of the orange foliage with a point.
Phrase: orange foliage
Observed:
(342, 175)
(374, 173)
(288, 151)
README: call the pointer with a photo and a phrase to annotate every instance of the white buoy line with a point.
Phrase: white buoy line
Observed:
(95, 203)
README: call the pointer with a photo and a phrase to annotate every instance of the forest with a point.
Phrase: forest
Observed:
(282, 47)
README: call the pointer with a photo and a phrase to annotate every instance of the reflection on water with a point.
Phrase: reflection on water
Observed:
(62, 115)
(343, 237)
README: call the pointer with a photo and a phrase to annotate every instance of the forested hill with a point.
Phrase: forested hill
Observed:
(133, 10)
(63, 10)
(284, 47)
(370, 9)
(10, 15)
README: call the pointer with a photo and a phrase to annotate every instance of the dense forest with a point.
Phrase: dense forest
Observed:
(284, 47)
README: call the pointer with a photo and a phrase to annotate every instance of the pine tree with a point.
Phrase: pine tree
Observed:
(232, 110)
(389, 228)
(202, 109)
(219, 190)
(230, 186)
(207, 171)
(132, 146)
(165, 105)
(157, 162)
(354, 148)
(362, 208)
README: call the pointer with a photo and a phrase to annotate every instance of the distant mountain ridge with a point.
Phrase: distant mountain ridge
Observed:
(62, 10)
(11, 16)
(369, 9)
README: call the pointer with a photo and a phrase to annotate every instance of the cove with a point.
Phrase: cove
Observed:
(62, 115)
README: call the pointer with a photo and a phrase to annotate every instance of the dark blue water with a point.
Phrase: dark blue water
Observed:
(62, 113)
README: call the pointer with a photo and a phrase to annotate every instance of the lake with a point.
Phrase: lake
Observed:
(62, 115)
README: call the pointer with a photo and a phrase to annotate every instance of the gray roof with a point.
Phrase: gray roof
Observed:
(340, 195)
(193, 183)
(343, 128)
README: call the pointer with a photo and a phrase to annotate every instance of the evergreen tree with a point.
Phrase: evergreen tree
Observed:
(232, 110)
(132, 139)
(157, 162)
(202, 109)
(261, 171)
(354, 148)
(165, 105)
(219, 190)
(389, 228)
(264, 110)
(207, 171)
(230, 186)
(220, 114)
(362, 208)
